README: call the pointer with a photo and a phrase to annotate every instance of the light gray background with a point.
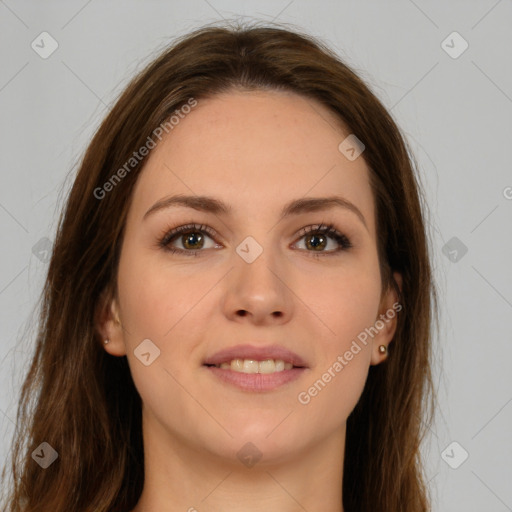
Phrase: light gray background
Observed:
(455, 113)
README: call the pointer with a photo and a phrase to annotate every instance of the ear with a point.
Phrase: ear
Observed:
(108, 324)
(387, 320)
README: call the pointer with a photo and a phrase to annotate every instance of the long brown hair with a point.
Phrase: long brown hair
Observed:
(83, 402)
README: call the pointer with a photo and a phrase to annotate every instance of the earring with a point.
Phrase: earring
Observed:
(383, 349)
(106, 341)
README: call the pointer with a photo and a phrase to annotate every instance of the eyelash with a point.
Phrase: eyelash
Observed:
(324, 229)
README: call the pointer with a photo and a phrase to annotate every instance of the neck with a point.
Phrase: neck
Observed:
(181, 477)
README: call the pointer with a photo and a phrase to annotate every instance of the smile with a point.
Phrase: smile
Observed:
(253, 366)
(255, 376)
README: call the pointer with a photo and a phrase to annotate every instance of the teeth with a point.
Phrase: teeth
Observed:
(252, 366)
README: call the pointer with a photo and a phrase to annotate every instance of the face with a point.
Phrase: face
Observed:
(247, 275)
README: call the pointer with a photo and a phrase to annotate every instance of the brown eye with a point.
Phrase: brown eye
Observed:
(193, 240)
(317, 239)
(316, 242)
(191, 237)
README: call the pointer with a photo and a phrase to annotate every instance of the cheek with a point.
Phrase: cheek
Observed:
(160, 303)
(154, 297)
(156, 305)
(346, 301)
(348, 305)
(333, 392)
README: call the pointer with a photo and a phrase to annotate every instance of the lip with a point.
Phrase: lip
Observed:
(258, 354)
(256, 382)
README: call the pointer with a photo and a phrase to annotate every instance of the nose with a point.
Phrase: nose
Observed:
(258, 292)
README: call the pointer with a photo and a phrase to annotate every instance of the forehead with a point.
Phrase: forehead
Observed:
(255, 151)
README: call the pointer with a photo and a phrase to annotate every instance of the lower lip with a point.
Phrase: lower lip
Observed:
(257, 381)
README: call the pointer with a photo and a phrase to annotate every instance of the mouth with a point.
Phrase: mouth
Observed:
(256, 369)
(267, 366)
(255, 382)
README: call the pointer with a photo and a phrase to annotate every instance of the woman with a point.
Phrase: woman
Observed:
(237, 313)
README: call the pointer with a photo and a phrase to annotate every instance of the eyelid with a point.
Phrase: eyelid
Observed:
(328, 229)
(332, 232)
(169, 234)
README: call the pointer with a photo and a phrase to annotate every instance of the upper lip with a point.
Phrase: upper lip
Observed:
(256, 353)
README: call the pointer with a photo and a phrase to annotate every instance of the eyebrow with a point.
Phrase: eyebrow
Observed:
(296, 207)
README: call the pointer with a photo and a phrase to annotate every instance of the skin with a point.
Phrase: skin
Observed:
(255, 151)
